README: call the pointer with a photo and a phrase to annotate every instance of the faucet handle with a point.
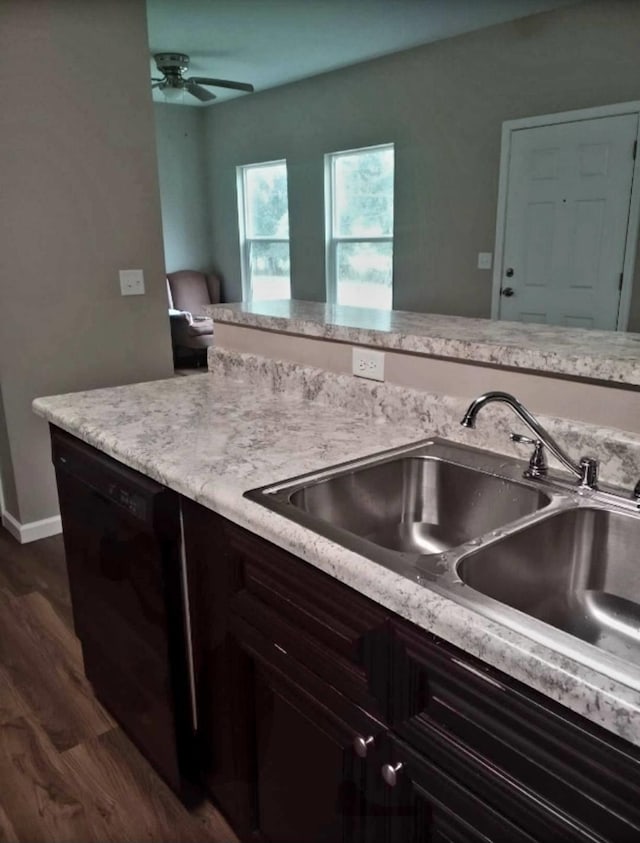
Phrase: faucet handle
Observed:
(537, 462)
(588, 473)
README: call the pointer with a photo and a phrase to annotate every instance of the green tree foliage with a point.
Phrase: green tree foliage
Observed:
(364, 193)
(269, 205)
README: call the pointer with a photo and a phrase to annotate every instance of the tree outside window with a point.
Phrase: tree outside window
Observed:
(360, 227)
(264, 230)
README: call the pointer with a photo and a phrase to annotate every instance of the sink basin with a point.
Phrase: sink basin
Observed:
(577, 570)
(409, 503)
(421, 505)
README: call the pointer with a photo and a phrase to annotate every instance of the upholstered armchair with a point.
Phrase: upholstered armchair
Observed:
(191, 329)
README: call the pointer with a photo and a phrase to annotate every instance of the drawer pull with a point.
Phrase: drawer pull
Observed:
(390, 773)
(361, 745)
(478, 673)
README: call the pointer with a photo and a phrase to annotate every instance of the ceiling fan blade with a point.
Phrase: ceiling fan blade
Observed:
(200, 93)
(223, 83)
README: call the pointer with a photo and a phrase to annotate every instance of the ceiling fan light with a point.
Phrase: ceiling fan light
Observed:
(172, 94)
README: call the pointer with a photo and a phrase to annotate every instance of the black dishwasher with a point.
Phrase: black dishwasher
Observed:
(122, 537)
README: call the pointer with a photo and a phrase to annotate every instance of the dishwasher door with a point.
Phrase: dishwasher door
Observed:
(122, 536)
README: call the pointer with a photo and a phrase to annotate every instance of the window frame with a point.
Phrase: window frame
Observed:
(332, 240)
(243, 225)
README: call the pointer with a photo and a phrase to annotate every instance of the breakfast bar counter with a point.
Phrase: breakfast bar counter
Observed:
(605, 356)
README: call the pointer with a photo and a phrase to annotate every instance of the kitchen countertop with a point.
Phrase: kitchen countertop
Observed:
(214, 436)
(609, 356)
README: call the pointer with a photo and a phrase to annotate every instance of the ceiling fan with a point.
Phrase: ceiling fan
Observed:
(173, 84)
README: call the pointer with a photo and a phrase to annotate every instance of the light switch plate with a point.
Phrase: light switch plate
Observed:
(131, 282)
(485, 260)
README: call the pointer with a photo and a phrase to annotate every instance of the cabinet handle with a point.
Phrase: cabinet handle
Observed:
(390, 773)
(361, 745)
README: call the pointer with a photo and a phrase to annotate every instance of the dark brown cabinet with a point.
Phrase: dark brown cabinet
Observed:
(285, 706)
(311, 783)
(427, 804)
(548, 771)
(311, 666)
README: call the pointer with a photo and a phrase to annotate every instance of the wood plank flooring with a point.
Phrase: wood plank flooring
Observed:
(67, 772)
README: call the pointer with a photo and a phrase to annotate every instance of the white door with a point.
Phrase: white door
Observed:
(567, 211)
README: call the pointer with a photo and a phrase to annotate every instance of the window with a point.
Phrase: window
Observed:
(263, 209)
(359, 203)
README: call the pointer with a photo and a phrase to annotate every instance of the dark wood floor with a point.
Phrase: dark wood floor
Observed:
(67, 772)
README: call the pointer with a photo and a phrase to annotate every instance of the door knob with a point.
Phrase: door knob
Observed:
(509, 273)
(507, 291)
(390, 773)
(361, 745)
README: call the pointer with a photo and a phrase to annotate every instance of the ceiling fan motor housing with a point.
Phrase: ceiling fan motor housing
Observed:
(172, 65)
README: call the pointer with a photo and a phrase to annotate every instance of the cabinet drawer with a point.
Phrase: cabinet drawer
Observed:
(335, 669)
(353, 719)
(320, 622)
(590, 777)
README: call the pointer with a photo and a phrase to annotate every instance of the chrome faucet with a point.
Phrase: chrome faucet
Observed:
(586, 470)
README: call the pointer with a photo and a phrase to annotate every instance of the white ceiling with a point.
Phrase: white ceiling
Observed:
(272, 42)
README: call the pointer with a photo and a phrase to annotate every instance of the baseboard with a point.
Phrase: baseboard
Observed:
(32, 530)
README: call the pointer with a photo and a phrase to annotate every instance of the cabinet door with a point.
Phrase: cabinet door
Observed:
(311, 785)
(423, 804)
(247, 595)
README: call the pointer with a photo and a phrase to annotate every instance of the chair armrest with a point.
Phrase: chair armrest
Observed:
(177, 316)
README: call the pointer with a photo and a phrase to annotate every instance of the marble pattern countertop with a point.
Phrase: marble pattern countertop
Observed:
(595, 355)
(251, 422)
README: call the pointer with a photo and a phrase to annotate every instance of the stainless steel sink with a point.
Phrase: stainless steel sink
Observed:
(556, 564)
(417, 504)
(577, 570)
(408, 503)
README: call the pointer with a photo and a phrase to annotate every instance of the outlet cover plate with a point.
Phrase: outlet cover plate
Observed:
(131, 282)
(366, 363)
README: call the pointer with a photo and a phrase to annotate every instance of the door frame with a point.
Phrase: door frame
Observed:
(633, 221)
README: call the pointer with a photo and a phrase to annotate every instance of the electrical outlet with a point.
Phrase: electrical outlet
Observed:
(131, 282)
(367, 364)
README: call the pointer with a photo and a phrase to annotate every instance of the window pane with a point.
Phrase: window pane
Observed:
(269, 270)
(266, 199)
(364, 274)
(364, 193)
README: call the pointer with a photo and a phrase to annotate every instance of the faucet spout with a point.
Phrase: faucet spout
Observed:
(587, 478)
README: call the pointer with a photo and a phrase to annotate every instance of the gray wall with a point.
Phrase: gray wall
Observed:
(183, 191)
(443, 106)
(79, 188)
